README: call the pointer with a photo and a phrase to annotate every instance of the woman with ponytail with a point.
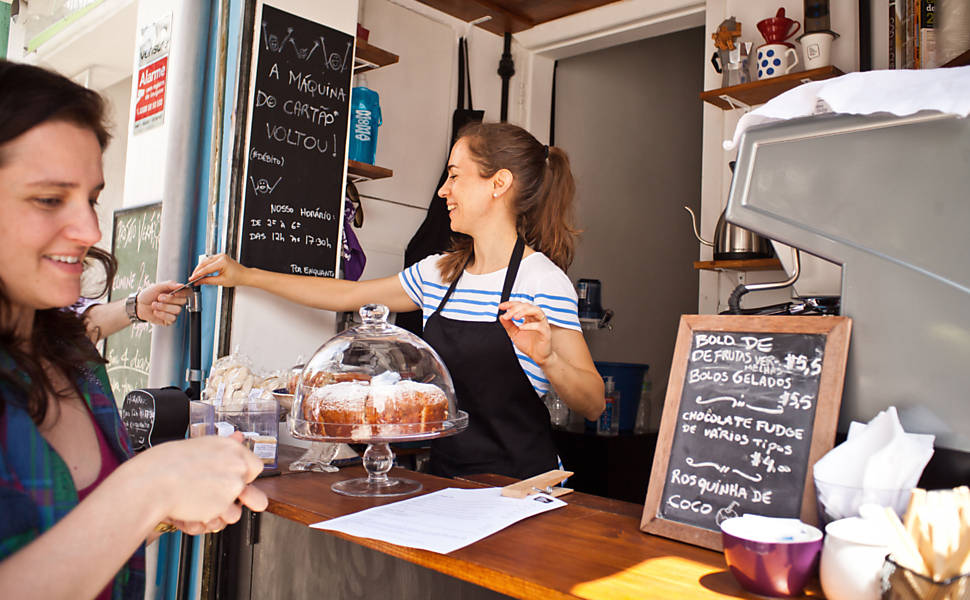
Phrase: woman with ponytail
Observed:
(498, 308)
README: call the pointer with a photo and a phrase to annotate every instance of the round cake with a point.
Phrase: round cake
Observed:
(360, 409)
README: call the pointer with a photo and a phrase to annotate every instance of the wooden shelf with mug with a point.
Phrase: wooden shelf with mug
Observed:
(752, 93)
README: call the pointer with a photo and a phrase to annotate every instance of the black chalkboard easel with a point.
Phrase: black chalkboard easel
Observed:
(752, 403)
(296, 151)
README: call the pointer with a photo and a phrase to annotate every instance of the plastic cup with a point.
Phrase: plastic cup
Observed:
(840, 501)
(259, 424)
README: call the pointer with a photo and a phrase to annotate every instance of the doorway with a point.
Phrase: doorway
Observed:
(630, 119)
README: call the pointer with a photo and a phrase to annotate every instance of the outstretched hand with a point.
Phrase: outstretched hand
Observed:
(158, 305)
(219, 269)
(534, 336)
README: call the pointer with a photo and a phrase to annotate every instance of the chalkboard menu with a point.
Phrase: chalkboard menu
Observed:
(752, 403)
(135, 245)
(292, 204)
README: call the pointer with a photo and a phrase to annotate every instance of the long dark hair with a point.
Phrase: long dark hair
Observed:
(31, 96)
(543, 188)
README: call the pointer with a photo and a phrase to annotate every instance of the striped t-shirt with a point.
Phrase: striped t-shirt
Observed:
(476, 298)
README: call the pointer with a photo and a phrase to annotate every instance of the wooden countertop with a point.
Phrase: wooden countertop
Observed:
(592, 548)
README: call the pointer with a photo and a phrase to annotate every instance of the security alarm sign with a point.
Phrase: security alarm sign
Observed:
(154, 42)
(150, 99)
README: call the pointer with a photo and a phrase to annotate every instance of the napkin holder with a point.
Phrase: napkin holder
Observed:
(542, 483)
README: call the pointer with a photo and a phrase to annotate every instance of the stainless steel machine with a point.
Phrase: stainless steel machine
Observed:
(888, 199)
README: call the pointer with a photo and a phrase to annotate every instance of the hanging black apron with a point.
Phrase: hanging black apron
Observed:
(509, 432)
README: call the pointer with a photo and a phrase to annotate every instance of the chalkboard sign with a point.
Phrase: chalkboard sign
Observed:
(135, 245)
(138, 415)
(293, 199)
(752, 403)
(153, 416)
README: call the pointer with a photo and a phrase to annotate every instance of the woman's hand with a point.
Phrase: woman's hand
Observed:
(230, 272)
(534, 336)
(204, 481)
(156, 303)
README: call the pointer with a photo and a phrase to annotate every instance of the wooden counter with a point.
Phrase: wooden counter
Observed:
(592, 548)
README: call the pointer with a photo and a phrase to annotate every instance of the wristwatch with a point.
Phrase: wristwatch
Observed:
(131, 307)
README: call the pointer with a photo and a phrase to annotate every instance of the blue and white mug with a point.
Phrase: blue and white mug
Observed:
(774, 60)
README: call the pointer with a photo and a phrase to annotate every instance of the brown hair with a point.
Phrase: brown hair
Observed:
(542, 186)
(31, 96)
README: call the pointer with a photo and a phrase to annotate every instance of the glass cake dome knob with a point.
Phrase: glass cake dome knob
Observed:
(374, 314)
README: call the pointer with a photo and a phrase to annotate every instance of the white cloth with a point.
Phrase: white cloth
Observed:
(476, 298)
(900, 92)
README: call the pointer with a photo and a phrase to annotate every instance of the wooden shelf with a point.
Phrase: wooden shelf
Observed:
(759, 92)
(368, 57)
(750, 264)
(359, 171)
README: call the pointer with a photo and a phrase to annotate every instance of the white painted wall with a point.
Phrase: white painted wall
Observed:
(114, 158)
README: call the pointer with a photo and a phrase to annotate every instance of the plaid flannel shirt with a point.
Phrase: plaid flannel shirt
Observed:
(36, 487)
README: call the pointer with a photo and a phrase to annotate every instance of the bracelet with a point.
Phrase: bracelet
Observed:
(164, 527)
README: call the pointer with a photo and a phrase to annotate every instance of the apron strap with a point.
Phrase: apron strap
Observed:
(510, 273)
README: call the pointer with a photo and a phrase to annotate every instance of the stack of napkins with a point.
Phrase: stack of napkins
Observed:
(898, 91)
(878, 463)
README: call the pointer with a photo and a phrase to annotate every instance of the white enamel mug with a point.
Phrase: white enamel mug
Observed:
(852, 556)
(775, 59)
(817, 49)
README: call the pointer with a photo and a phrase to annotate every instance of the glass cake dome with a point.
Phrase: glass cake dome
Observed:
(373, 383)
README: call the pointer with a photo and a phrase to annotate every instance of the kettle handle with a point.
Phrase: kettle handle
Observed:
(697, 234)
(716, 62)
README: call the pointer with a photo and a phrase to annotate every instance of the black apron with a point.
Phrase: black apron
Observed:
(509, 432)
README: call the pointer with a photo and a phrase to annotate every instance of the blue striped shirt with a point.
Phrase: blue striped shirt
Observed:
(476, 298)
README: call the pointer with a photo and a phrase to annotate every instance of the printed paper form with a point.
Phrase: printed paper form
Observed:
(441, 521)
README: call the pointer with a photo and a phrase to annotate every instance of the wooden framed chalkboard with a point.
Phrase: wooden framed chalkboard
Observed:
(135, 244)
(296, 147)
(752, 403)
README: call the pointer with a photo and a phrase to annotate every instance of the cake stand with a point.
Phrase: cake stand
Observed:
(378, 457)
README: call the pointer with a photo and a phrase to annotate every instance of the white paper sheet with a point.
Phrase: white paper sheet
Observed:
(441, 521)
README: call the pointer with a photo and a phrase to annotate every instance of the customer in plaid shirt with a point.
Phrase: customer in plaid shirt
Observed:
(75, 507)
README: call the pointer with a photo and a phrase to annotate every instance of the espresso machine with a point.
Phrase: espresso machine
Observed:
(886, 199)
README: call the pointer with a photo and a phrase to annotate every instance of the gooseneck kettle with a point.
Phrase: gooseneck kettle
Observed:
(732, 242)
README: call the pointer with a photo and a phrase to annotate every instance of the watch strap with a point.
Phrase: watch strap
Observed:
(131, 307)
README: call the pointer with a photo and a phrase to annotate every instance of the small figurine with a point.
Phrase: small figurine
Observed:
(727, 31)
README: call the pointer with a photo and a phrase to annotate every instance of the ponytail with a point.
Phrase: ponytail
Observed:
(548, 226)
(543, 188)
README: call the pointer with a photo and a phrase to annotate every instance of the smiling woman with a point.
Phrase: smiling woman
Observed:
(76, 507)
